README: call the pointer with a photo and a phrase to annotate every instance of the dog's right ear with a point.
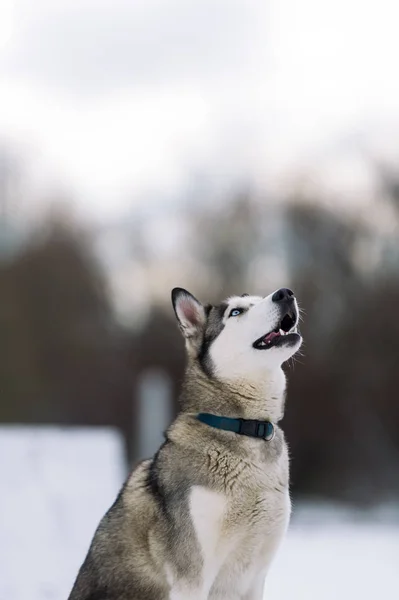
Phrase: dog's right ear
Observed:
(189, 312)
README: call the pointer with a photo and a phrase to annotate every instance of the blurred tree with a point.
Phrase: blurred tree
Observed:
(342, 400)
(64, 361)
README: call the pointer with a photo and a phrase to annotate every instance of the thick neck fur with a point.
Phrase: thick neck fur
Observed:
(262, 399)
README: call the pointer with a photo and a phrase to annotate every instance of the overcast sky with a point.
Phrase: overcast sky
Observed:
(122, 100)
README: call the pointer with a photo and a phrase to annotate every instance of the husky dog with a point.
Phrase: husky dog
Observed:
(203, 518)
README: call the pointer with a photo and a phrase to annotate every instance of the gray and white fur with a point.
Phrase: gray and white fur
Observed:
(203, 518)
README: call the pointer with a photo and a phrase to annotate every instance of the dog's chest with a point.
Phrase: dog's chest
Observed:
(254, 528)
(240, 528)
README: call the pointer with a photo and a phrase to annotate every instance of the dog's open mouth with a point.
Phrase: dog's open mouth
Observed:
(280, 334)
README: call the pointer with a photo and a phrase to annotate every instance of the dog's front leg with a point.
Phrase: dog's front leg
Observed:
(256, 592)
(178, 593)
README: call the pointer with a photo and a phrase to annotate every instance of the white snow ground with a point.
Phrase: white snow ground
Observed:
(337, 554)
(55, 484)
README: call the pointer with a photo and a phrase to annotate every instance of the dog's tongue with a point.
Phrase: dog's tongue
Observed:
(270, 336)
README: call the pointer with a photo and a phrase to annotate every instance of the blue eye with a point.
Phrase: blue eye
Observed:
(236, 311)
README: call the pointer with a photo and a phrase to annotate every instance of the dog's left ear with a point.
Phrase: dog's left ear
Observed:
(189, 312)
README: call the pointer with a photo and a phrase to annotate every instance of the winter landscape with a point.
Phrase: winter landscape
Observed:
(225, 147)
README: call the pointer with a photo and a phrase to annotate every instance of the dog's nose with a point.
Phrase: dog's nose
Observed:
(283, 295)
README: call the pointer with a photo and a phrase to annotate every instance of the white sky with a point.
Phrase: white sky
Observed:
(123, 101)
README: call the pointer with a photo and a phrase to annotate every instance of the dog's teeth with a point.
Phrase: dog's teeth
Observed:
(282, 332)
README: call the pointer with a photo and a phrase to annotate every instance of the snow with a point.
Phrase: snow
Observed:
(56, 483)
(337, 554)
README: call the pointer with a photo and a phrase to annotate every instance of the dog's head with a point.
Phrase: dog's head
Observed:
(243, 337)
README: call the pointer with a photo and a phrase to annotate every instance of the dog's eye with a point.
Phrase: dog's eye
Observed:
(235, 312)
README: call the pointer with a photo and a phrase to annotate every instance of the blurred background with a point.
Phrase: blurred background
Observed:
(225, 147)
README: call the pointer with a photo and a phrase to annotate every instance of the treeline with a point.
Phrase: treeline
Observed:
(66, 359)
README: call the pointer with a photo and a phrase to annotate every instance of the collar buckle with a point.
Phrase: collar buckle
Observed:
(256, 429)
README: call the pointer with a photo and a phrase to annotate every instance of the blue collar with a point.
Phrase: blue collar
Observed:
(252, 428)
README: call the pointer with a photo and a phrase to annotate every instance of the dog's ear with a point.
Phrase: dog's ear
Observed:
(189, 312)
